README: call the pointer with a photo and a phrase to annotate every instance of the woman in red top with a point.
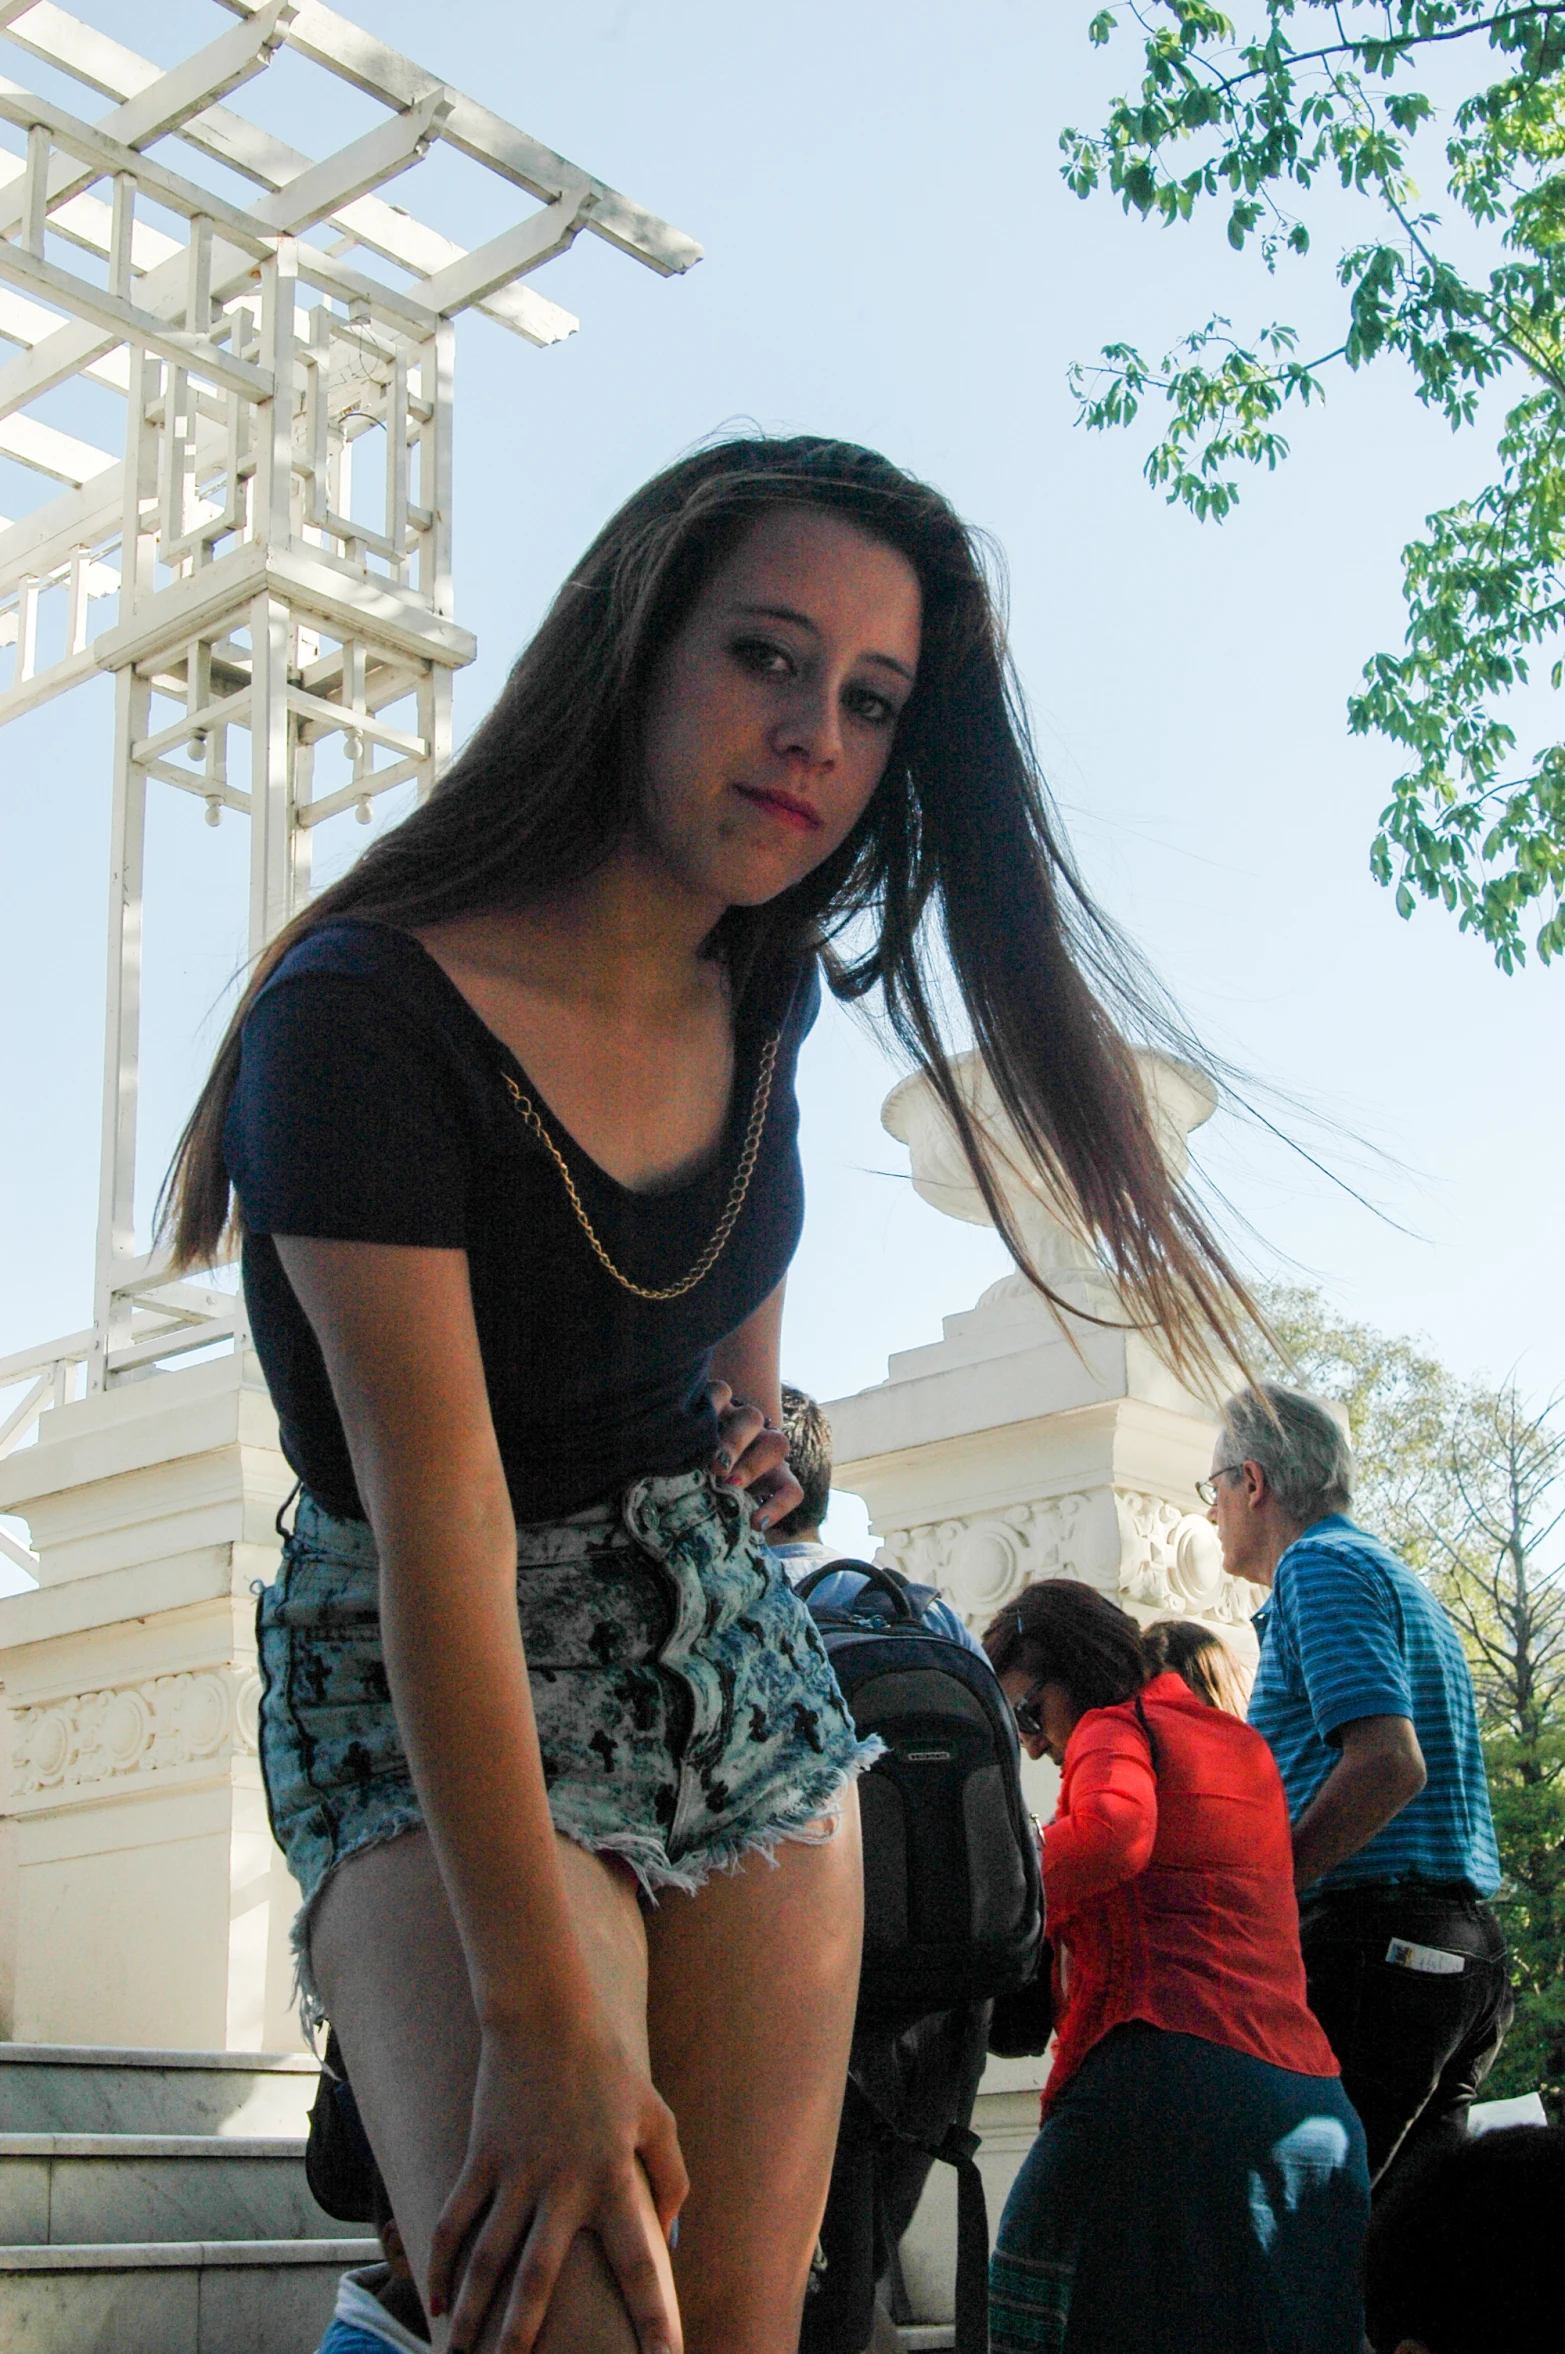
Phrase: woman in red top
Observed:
(1199, 2183)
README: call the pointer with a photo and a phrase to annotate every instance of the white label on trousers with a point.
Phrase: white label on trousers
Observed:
(1432, 1959)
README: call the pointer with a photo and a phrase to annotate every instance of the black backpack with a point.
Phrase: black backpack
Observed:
(953, 1903)
(953, 1917)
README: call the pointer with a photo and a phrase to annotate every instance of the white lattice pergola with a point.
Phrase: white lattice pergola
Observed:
(269, 555)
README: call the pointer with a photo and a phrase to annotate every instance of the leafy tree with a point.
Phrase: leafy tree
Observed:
(1266, 121)
(1468, 1485)
(1500, 1569)
(1400, 1402)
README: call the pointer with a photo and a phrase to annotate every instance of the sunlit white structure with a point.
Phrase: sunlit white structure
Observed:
(263, 564)
(1010, 1450)
(265, 610)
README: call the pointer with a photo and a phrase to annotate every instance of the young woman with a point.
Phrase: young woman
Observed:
(508, 1116)
(1200, 2177)
(1200, 1658)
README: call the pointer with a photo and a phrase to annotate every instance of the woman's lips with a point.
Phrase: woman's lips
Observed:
(783, 807)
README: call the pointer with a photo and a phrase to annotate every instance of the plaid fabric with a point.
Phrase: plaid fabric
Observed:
(1030, 2297)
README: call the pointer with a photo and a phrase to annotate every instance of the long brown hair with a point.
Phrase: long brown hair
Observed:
(958, 852)
(1201, 1658)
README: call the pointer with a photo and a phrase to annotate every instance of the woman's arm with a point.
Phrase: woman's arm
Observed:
(1109, 1828)
(560, 2117)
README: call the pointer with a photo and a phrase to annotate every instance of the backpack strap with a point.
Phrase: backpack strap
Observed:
(886, 1580)
(959, 2148)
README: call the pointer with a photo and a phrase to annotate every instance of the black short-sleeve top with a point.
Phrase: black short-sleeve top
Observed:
(372, 1106)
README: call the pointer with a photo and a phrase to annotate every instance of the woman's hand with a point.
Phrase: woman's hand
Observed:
(752, 1453)
(568, 2135)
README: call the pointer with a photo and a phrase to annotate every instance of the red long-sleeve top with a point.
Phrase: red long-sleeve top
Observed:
(1170, 1890)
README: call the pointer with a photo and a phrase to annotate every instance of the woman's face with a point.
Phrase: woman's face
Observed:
(1055, 1714)
(771, 716)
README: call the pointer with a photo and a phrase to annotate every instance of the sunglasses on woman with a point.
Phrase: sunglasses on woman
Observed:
(1028, 1722)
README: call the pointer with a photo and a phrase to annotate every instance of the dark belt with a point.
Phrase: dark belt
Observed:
(1387, 1895)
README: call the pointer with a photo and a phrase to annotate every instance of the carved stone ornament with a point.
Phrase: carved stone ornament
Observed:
(977, 1564)
(1173, 1561)
(134, 1729)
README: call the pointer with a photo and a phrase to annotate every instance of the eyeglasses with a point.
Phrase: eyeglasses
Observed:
(1028, 1721)
(1206, 1489)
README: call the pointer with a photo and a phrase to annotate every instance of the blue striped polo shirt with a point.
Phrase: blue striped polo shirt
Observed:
(1349, 1631)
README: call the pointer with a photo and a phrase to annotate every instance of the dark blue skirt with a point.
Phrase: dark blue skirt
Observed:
(1182, 2198)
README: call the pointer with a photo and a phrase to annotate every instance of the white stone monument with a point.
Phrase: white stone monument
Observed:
(1011, 1450)
(275, 533)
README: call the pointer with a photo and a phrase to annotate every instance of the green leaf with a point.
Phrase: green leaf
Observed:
(1262, 114)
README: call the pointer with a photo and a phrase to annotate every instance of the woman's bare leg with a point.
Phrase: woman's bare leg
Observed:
(750, 2014)
(394, 1981)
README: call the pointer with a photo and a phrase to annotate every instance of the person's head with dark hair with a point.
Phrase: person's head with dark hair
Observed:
(809, 1459)
(955, 861)
(1060, 1648)
(1198, 1654)
(1463, 2253)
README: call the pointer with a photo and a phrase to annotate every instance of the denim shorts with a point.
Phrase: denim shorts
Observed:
(687, 1713)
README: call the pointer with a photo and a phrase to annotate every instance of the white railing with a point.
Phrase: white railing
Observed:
(167, 1317)
(155, 1315)
(52, 1376)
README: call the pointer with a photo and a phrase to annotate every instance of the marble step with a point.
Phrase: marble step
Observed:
(81, 2088)
(105, 2187)
(174, 2297)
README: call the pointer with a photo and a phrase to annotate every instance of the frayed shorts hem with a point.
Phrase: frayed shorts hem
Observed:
(812, 1819)
(687, 1714)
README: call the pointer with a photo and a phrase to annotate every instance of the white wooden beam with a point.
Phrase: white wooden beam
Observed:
(166, 102)
(346, 49)
(78, 518)
(92, 57)
(63, 40)
(367, 163)
(515, 251)
(212, 73)
(127, 322)
(88, 221)
(49, 451)
(29, 324)
(26, 1364)
(104, 157)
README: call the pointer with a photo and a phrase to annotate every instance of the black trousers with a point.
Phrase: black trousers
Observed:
(1415, 2033)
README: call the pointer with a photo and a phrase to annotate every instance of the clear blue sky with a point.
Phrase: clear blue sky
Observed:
(892, 257)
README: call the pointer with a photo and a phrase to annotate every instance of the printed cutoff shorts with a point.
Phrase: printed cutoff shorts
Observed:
(687, 1712)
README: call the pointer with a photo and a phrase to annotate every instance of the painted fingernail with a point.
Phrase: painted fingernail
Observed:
(673, 2233)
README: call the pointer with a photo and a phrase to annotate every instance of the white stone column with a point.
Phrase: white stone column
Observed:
(141, 1898)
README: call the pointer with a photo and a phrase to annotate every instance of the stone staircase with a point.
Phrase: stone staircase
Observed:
(155, 2203)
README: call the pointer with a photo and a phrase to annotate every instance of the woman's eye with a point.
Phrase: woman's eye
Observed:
(759, 655)
(865, 704)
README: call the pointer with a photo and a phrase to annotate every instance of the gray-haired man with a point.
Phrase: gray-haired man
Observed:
(1364, 1694)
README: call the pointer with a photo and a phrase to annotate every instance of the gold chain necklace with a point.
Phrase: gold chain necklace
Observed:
(736, 1192)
